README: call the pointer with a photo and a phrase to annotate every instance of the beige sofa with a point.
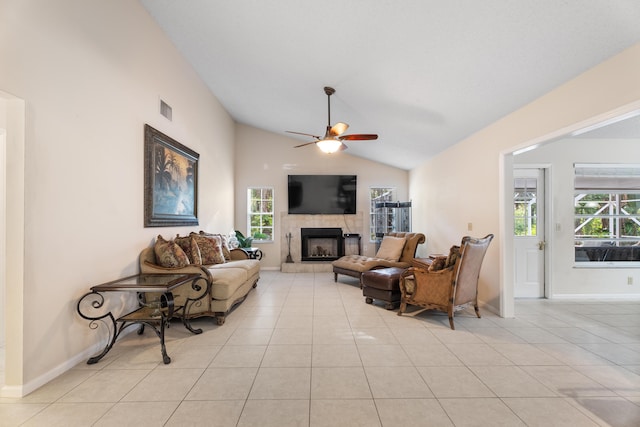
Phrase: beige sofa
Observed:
(230, 282)
(355, 265)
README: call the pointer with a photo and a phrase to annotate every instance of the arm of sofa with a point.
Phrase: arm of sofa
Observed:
(237, 254)
(148, 266)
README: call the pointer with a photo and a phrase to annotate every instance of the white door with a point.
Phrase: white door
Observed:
(529, 239)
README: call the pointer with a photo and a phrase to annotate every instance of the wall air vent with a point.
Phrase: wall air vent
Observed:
(165, 110)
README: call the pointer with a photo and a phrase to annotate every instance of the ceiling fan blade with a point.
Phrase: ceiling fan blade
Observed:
(338, 129)
(305, 144)
(302, 133)
(358, 137)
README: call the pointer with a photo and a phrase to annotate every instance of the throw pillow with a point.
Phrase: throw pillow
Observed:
(391, 248)
(210, 249)
(169, 254)
(190, 247)
(439, 263)
(454, 254)
(225, 245)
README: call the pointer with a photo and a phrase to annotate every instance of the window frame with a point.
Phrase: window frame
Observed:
(526, 201)
(251, 214)
(391, 191)
(604, 186)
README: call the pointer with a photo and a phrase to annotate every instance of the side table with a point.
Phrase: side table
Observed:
(254, 253)
(155, 314)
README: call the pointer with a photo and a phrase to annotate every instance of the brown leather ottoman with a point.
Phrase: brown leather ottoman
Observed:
(382, 284)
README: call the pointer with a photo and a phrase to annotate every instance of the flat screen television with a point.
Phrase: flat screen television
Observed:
(322, 194)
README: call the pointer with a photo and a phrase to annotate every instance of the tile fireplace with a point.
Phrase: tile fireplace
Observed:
(295, 223)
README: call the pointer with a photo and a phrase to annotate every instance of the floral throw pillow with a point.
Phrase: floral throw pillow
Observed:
(169, 254)
(225, 245)
(442, 262)
(210, 249)
(438, 263)
(190, 247)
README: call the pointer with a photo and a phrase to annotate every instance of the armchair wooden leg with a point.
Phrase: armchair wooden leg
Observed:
(450, 312)
(403, 307)
(477, 310)
(335, 277)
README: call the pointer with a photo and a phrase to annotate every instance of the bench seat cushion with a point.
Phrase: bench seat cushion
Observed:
(249, 265)
(363, 263)
(226, 281)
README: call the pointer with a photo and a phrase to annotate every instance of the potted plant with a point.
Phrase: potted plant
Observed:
(243, 242)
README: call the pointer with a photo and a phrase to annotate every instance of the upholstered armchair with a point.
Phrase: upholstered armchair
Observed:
(450, 283)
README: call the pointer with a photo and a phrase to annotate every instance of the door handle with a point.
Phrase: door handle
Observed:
(541, 245)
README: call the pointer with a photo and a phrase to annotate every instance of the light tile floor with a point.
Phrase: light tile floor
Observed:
(305, 351)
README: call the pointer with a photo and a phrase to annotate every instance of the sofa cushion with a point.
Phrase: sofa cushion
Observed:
(391, 248)
(190, 247)
(225, 281)
(251, 266)
(169, 254)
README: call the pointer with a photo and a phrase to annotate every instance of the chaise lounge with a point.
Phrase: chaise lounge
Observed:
(396, 250)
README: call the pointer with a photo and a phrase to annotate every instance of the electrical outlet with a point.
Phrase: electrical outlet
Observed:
(629, 280)
(469, 226)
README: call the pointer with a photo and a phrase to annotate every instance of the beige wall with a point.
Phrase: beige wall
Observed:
(473, 192)
(265, 159)
(560, 157)
(92, 74)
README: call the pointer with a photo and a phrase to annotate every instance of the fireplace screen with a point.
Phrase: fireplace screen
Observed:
(321, 244)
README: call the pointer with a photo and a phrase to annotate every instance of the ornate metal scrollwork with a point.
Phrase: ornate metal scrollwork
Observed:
(96, 301)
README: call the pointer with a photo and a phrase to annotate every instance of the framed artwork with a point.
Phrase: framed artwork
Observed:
(170, 181)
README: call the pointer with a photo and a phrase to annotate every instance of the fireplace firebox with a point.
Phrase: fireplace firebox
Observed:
(321, 244)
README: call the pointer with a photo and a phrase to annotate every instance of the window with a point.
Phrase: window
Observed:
(260, 213)
(377, 194)
(607, 213)
(525, 207)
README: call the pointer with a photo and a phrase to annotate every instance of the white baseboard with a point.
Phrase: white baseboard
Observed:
(25, 389)
(36, 383)
(484, 306)
(612, 297)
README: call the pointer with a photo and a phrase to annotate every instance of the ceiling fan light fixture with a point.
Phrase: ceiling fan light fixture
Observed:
(329, 145)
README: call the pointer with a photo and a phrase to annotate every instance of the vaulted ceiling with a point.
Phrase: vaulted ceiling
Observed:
(422, 74)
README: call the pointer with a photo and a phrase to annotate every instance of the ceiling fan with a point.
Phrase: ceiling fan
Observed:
(332, 139)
